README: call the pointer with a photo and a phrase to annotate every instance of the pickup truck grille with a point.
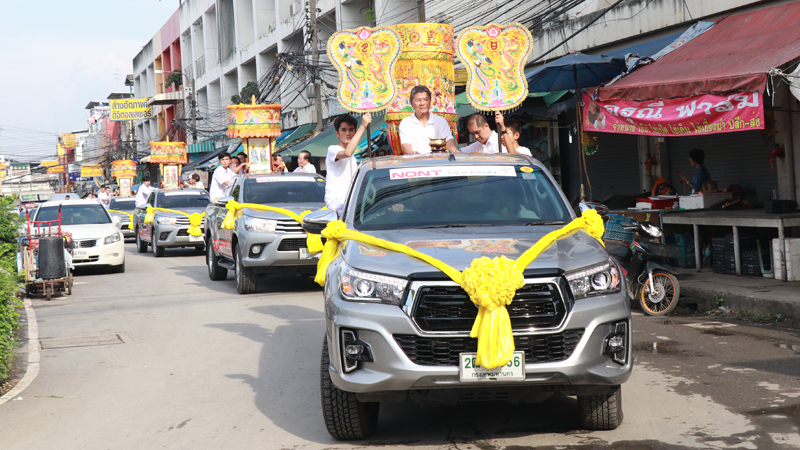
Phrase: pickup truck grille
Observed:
(448, 308)
(444, 351)
(288, 245)
(289, 226)
(182, 221)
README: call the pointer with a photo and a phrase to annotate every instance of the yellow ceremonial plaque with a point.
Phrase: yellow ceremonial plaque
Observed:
(495, 57)
(365, 59)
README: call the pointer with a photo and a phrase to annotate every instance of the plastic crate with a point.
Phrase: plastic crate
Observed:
(616, 231)
(685, 244)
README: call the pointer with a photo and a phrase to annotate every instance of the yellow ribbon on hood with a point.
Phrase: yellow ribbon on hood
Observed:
(313, 241)
(195, 219)
(490, 283)
(130, 216)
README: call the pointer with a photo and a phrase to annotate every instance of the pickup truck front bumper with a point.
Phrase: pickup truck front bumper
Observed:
(176, 236)
(275, 250)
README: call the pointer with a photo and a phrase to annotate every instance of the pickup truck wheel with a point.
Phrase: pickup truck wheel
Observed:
(215, 272)
(346, 418)
(600, 411)
(141, 246)
(158, 252)
(245, 276)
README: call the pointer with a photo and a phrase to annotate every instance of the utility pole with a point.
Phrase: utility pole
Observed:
(421, 11)
(194, 114)
(312, 6)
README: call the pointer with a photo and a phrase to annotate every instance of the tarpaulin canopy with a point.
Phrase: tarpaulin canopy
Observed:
(574, 71)
(734, 55)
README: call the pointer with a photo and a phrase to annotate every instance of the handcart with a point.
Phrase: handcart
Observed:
(44, 257)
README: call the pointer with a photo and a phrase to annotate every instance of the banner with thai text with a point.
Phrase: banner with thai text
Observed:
(698, 115)
(69, 140)
(57, 169)
(91, 170)
(130, 109)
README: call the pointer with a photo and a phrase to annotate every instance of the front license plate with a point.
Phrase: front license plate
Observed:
(79, 254)
(304, 254)
(513, 371)
(195, 238)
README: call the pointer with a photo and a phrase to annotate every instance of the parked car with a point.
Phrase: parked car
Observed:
(398, 329)
(97, 240)
(126, 204)
(169, 229)
(263, 242)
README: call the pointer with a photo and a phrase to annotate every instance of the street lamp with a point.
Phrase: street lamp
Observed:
(193, 103)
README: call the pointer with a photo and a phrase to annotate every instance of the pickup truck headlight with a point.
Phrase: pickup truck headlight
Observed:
(602, 279)
(368, 287)
(111, 238)
(166, 220)
(260, 225)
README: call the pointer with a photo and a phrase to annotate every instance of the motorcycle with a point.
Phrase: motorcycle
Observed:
(645, 265)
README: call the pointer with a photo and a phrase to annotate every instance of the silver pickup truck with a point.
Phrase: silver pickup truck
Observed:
(169, 229)
(127, 205)
(263, 242)
(399, 329)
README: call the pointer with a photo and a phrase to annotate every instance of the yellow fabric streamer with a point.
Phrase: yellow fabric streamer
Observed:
(313, 241)
(195, 219)
(130, 216)
(490, 283)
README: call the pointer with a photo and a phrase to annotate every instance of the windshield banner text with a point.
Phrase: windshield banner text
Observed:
(439, 172)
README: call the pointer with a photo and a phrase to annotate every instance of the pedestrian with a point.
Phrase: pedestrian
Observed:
(221, 180)
(304, 163)
(277, 163)
(236, 163)
(245, 165)
(509, 131)
(143, 194)
(486, 140)
(418, 129)
(197, 183)
(701, 175)
(104, 197)
(340, 161)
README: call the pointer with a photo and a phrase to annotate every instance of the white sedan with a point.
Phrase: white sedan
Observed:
(98, 241)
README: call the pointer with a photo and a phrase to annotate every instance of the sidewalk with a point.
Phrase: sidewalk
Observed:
(739, 293)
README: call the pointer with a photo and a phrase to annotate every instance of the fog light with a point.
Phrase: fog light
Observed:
(354, 351)
(163, 236)
(255, 250)
(616, 344)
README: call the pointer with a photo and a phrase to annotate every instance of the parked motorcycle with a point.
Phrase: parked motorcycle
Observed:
(651, 280)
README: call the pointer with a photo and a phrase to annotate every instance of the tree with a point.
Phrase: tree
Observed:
(248, 91)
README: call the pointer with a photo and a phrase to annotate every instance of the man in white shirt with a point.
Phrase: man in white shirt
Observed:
(418, 129)
(223, 175)
(197, 183)
(304, 163)
(486, 140)
(143, 194)
(340, 162)
(103, 196)
(509, 131)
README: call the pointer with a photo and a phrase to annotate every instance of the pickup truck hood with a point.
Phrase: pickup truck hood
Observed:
(459, 246)
(297, 208)
(186, 210)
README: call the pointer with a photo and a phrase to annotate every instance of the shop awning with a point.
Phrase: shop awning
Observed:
(201, 147)
(735, 55)
(297, 134)
(167, 98)
(208, 157)
(318, 145)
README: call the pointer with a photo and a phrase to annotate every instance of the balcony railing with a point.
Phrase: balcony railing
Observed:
(200, 66)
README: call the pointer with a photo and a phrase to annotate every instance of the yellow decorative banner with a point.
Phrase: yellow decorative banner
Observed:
(59, 168)
(123, 168)
(91, 170)
(313, 241)
(130, 216)
(365, 59)
(490, 283)
(495, 56)
(195, 219)
(167, 152)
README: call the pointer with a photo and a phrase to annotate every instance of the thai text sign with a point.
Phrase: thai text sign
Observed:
(701, 114)
(49, 163)
(69, 140)
(57, 169)
(130, 109)
(91, 170)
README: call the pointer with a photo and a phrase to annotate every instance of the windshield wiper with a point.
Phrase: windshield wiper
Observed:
(553, 222)
(459, 225)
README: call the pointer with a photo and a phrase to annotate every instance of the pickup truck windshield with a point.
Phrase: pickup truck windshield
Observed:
(460, 196)
(173, 200)
(74, 214)
(289, 190)
(122, 205)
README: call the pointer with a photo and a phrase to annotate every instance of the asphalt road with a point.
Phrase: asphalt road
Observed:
(169, 359)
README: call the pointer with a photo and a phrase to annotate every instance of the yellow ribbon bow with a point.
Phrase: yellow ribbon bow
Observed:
(490, 283)
(130, 216)
(313, 241)
(195, 219)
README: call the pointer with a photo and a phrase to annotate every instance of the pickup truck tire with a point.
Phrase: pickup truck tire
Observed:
(215, 272)
(346, 418)
(601, 411)
(246, 277)
(141, 246)
(158, 252)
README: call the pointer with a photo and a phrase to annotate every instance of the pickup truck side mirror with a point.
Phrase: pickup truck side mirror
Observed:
(601, 209)
(316, 221)
(222, 201)
(145, 206)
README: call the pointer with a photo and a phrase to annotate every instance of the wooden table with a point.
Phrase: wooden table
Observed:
(755, 218)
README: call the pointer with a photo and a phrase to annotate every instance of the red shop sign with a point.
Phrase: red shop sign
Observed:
(701, 114)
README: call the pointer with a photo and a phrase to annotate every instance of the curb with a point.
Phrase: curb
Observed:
(743, 302)
(32, 370)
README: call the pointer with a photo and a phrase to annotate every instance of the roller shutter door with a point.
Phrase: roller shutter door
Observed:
(614, 169)
(731, 158)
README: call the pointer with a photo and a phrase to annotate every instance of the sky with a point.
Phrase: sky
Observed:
(58, 55)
